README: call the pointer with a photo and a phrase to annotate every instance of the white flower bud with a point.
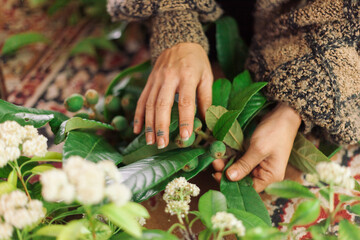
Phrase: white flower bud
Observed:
(56, 186)
(12, 133)
(14, 199)
(118, 193)
(110, 169)
(35, 147)
(31, 132)
(331, 172)
(6, 231)
(227, 221)
(12, 153)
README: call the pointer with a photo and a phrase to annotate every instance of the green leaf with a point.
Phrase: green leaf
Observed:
(137, 209)
(90, 147)
(12, 178)
(256, 103)
(240, 82)
(147, 173)
(234, 137)
(102, 230)
(209, 204)
(205, 234)
(73, 230)
(15, 42)
(90, 44)
(79, 123)
(231, 49)
(204, 161)
(354, 209)
(260, 233)
(306, 213)
(50, 230)
(289, 189)
(6, 187)
(348, 231)
(249, 220)
(221, 92)
(243, 97)
(123, 218)
(318, 231)
(57, 5)
(30, 116)
(42, 168)
(304, 155)
(241, 195)
(148, 234)
(224, 124)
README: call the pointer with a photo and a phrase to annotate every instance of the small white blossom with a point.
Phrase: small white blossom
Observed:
(72, 166)
(227, 221)
(6, 231)
(35, 147)
(56, 187)
(31, 132)
(18, 211)
(177, 208)
(12, 153)
(12, 133)
(141, 221)
(118, 193)
(14, 199)
(110, 169)
(331, 172)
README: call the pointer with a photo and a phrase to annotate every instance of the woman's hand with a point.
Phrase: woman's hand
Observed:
(269, 149)
(184, 68)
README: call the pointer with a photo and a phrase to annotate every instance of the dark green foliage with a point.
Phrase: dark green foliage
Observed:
(191, 165)
(74, 103)
(112, 103)
(128, 102)
(197, 125)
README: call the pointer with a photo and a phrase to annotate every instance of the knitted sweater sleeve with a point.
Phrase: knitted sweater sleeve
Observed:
(173, 21)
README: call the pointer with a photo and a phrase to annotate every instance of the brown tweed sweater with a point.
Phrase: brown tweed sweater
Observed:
(308, 51)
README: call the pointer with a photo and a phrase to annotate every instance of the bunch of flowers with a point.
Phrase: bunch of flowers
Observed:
(178, 196)
(16, 141)
(332, 173)
(17, 211)
(86, 182)
(226, 221)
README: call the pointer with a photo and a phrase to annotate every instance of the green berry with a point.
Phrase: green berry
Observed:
(82, 115)
(197, 125)
(191, 165)
(187, 143)
(128, 102)
(112, 103)
(217, 149)
(120, 123)
(92, 97)
(127, 133)
(74, 103)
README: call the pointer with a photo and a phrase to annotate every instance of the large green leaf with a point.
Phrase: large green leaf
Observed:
(234, 136)
(243, 97)
(148, 234)
(123, 218)
(231, 49)
(89, 146)
(224, 124)
(15, 42)
(221, 92)
(304, 155)
(31, 116)
(89, 46)
(241, 195)
(289, 189)
(209, 204)
(256, 103)
(329, 149)
(306, 213)
(348, 231)
(204, 161)
(249, 220)
(147, 173)
(239, 83)
(79, 123)
(267, 233)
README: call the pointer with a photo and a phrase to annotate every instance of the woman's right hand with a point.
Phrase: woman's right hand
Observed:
(183, 69)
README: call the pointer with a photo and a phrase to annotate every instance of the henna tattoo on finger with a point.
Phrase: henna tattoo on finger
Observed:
(149, 130)
(160, 133)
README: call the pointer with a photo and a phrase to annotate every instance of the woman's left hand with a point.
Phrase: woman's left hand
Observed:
(269, 150)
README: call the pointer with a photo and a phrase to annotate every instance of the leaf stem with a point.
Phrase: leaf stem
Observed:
(174, 226)
(15, 166)
(19, 234)
(90, 218)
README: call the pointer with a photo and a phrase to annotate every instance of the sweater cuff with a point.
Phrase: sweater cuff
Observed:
(174, 27)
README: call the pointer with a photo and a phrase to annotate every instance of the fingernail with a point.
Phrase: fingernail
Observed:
(161, 143)
(136, 129)
(213, 175)
(149, 140)
(232, 174)
(185, 135)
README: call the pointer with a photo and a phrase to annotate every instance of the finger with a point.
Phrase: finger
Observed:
(187, 93)
(204, 93)
(140, 110)
(245, 164)
(150, 115)
(164, 103)
(217, 176)
(261, 179)
(219, 165)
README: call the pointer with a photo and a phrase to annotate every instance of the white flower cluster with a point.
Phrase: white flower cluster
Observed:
(227, 221)
(14, 137)
(17, 211)
(178, 196)
(87, 182)
(331, 172)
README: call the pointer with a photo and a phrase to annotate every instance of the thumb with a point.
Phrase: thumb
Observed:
(242, 167)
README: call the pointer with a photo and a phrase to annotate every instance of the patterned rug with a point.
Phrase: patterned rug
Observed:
(42, 76)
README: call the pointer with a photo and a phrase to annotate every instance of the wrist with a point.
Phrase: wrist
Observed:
(289, 114)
